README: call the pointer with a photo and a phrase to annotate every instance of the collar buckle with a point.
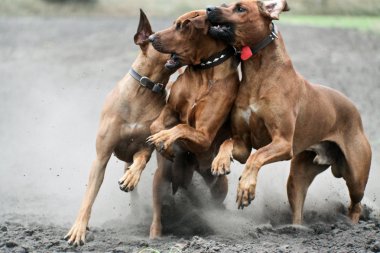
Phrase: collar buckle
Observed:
(146, 82)
(158, 87)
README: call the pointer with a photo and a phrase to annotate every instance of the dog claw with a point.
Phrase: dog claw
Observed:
(160, 147)
(125, 189)
(149, 140)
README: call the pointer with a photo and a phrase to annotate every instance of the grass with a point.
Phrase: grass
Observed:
(362, 23)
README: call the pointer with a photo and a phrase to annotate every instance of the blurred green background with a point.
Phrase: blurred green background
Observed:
(363, 14)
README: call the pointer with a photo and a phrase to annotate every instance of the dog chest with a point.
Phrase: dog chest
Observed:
(246, 113)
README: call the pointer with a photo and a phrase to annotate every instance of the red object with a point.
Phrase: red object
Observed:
(246, 53)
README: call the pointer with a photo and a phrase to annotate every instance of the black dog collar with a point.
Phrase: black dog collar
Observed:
(262, 44)
(265, 42)
(216, 59)
(146, 82)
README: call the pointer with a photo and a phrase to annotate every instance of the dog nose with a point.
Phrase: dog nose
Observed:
(210, 9)
(152, 38)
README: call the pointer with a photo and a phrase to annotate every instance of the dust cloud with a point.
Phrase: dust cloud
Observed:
(54, 76)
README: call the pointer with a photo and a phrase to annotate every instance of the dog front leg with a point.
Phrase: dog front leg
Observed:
(278, 150)
(161, 188)
(230, 149)
(132, 175)
(167, 118)
(222, 162)
(196, 141)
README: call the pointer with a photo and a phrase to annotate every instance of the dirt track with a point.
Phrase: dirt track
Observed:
(54, 75)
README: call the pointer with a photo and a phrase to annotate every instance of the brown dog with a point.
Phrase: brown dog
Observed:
(199, 104)
(283, 116)
(129, 110)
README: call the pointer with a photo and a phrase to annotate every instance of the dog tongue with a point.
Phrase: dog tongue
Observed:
(246, 53)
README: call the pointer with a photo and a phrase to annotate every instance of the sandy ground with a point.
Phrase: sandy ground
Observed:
(54, 75)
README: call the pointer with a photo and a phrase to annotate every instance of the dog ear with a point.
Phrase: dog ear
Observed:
(144, 30)
(185, 23)
(273, 8)
(200, 23)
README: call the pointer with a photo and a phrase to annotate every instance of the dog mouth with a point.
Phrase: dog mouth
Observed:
(220, 28)
(222, 31)
(174, 62)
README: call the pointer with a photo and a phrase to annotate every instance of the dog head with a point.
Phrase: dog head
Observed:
(245, 22)
(149, 56)
(184, 39)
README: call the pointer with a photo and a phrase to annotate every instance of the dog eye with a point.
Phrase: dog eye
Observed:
(240, 9)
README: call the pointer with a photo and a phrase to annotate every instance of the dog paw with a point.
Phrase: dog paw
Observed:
(129, 180)
(77, 235)
(354, 213)
(155, 231)
(221, 165)
(161, 140)
(246, 192)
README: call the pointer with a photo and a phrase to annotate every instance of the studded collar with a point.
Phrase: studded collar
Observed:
(216, 59)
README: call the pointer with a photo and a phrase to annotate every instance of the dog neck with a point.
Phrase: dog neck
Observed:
(216, 59)
(155, 71)
(252, 49)
(265, 65)
(215, 73)
(206, 48)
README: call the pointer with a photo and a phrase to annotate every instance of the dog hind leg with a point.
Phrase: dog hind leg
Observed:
(355, 172)
(105, 143)
(218, 186)
(161, 186)
(77, 233)
(302, 173)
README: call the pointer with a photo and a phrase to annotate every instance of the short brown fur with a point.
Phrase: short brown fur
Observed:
(128, 111)
(285, 117)
(198, 105)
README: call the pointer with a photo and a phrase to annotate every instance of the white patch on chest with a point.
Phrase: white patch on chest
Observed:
(254, 108)
(246, 114)
(134, 125)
